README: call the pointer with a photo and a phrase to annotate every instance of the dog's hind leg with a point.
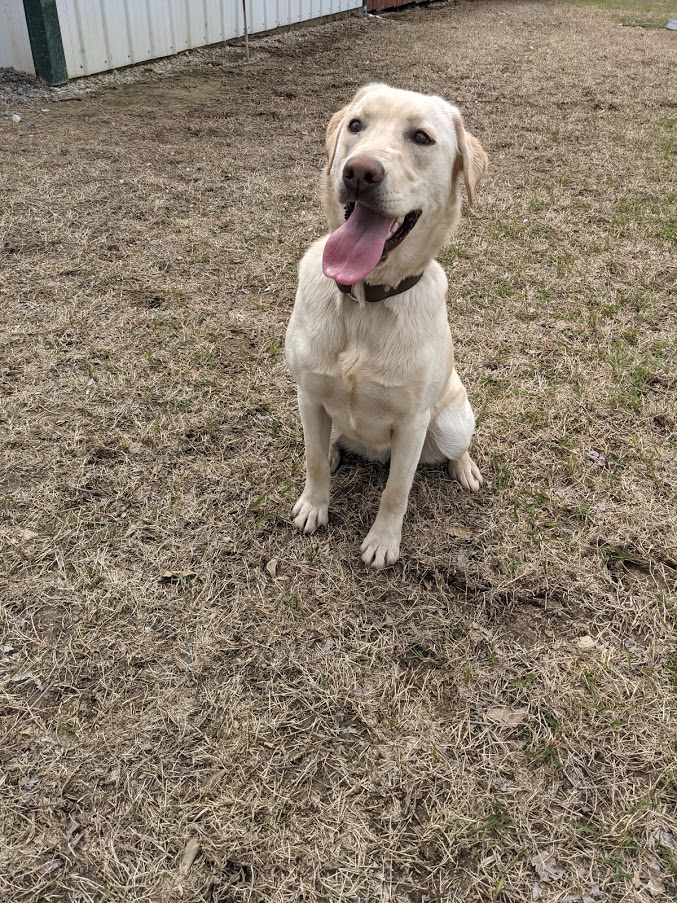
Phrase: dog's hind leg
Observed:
(466, 472)
(451, 433)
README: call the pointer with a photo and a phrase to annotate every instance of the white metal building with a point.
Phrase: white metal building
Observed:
(96, 35)
(15, 48)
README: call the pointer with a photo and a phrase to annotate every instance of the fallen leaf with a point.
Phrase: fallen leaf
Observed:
(18, 534)
(546, 867)
(214, 779)
(462, 558)
(500, 785)
(585, 643)
(574, 774)
(176, 576)
(503, 715)
(114, 776)
(655, 886)
(665, 837)
(27, 675)
(636, 880)
(74, 833)
(271, 567)
(49, 867)
(458, 532)
(189, 854)
(185, 660)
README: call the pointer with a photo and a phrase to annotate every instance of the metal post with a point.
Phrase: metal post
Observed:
(246, 30)
(44, 32)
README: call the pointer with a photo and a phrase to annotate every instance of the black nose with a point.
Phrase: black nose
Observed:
(361, 173)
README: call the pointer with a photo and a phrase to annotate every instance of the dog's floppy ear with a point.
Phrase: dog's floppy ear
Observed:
(332, 135)
(474, 160)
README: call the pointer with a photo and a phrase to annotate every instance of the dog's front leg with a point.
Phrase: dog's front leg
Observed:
(311, 510)
(381, 546)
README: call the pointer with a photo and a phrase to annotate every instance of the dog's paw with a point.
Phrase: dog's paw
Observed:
(466, 472)
(380, 548)
(309, 517)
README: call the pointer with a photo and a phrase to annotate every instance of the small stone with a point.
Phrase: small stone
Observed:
(597, 457)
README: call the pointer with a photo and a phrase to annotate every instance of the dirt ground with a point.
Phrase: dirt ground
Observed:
(199, 704)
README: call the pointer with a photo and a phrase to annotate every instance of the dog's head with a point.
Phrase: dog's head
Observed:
(391, 186)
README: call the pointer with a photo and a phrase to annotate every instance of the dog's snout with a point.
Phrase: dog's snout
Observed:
(361, 173)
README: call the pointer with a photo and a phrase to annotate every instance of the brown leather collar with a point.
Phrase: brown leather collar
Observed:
(381, 292)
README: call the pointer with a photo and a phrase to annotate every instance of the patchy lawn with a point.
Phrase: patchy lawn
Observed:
(199, 704)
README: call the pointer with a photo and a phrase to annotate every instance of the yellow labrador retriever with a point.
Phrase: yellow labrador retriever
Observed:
(368, 342)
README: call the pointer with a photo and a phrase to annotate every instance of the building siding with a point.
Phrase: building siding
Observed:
(15, 47)
(106, 34)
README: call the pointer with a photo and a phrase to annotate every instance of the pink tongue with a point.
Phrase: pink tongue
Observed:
(352, 252)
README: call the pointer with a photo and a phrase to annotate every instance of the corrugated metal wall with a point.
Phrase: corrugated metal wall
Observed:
(106, 34)
(15, 48)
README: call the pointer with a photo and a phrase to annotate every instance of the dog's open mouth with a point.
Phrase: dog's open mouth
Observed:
(398, 231)
(363, 241)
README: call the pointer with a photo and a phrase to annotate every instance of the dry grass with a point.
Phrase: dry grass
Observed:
(322, 732)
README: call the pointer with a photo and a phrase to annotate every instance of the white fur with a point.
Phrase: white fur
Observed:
(379, 378)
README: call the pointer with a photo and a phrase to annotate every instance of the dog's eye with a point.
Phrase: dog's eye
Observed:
(355, 126)
(422, 138)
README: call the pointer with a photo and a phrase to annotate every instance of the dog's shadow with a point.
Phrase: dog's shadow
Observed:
(357, 485)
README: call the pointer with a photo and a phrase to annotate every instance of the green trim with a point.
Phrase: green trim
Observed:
(44, 32)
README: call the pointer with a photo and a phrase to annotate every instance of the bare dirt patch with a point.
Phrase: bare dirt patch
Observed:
(200, 704)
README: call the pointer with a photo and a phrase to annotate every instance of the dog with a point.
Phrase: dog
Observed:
(368, 341)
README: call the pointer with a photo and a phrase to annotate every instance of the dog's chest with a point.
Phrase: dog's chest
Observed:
(369, 365)
(369, 381)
